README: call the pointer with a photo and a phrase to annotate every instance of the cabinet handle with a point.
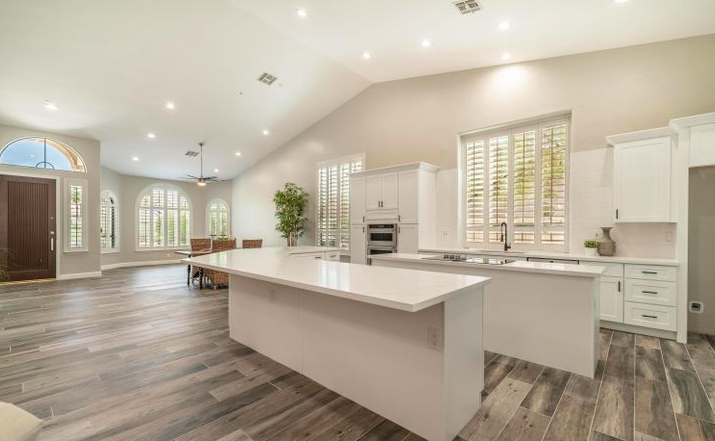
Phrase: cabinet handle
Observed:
(616, 213)
(399, 218)
(399, 230)
(650, 292)
(650, 272)
(619, 286)
(363, 229)
(649, 316)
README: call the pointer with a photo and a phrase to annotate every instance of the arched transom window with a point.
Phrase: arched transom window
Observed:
(164, 218)
(217, 218)
(42, 153)
(109, 238)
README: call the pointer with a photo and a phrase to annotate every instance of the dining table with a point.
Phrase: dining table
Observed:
(200, 272)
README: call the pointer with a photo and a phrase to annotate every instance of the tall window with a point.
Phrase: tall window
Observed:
(164, 217)
(217, 218)
(75, 206)
(42, 153)
(517, 175)
(333, 201)
(108, 221)
(76, 209)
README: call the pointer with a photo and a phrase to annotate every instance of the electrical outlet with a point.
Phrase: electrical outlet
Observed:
(696, 307)
(434, 338)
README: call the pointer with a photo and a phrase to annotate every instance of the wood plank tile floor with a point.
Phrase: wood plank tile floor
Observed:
(137, 355)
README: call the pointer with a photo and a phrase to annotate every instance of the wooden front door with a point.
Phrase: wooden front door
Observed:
(27, 228)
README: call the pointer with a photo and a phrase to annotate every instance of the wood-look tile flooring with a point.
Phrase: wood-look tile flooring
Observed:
(137, 356)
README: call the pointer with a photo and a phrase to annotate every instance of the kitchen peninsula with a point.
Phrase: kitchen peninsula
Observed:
(406, 344)
(545, 313)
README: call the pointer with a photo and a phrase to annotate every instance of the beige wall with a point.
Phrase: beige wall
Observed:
(78, 261)
(701, 248)
(127, 188)
(418, 119)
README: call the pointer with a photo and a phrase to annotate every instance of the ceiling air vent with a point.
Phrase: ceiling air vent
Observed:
(468, 6)
(192, 153)
(267, 78)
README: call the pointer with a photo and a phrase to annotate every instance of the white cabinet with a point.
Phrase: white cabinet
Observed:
(408, 196)
(642, 180)
(382, 192)
(358, 244)
(357, 200)
(408, 238)
(702, 145)
(612, 299)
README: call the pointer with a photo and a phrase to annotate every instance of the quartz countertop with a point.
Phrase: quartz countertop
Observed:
(403, 289)
(521, 266)
(555, 255)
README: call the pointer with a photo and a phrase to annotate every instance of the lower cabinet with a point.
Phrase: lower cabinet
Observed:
(650, 316)
(407, 238)
(358, 244)
(612, 299)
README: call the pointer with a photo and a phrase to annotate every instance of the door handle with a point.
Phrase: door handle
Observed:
(52, 243)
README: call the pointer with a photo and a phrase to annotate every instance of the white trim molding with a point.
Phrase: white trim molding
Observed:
(135, 264)
(73, 276)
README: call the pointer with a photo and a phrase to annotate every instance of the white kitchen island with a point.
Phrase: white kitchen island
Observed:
(405, 344)
(545, 313)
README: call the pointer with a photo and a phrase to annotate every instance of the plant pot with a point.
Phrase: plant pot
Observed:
(292, 240)
(607, 247)
(591, 252)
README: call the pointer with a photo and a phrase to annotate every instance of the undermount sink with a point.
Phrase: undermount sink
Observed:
(495, 252)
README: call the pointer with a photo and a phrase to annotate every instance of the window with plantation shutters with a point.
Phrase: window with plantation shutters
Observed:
(517, 175)
(163, 218)
(108, 221)
(332, 222)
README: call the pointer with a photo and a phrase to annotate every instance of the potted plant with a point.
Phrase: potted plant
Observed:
(291, 204)
(591, 246)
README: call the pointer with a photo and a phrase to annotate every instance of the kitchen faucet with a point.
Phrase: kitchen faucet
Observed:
(504, 229)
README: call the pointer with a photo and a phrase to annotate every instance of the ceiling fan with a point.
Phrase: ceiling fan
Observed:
(201, 181)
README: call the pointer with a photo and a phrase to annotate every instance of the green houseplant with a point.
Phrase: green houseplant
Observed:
(591, 245)
(291, 203)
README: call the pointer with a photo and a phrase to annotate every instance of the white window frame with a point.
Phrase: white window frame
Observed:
(112, 195)
(517, 127)
(330, 163)
(68, 184)
(208, 216)
(137, 208)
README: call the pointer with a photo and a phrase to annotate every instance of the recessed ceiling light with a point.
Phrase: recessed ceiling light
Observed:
(215, 170)
(302, 13)
(505, 56)
(266, 132)
(170, 105)
(238, 153)
(503, 26)
(150, 135)
(50, 105)
(426, 43)
(134, 158)
(366, 55)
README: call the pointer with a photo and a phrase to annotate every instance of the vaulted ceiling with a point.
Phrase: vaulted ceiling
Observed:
(110, 67)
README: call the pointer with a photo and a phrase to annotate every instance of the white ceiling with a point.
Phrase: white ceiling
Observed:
(110, 66)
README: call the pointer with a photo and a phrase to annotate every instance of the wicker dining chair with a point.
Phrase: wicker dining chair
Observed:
(252, 243)
(198, 244)
(219, 278)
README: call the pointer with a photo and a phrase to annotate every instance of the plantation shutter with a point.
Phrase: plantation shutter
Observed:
(475, 151)
(554, 144)
(333, 202)
(498, 185)
(524, 187)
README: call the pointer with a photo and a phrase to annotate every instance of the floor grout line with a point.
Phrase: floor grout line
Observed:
(670, 395)
(600, 386)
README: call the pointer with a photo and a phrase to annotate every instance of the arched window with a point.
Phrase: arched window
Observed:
(42, 153)
(163, 218)
(109, 238)
(217, 218)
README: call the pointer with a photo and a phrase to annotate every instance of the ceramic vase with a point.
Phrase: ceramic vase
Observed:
(607, 247)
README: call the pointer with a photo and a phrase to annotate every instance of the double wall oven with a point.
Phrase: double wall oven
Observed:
(381, 238)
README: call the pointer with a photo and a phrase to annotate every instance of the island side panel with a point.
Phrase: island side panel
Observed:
(463, 359)
(266, 317)
(379, 358)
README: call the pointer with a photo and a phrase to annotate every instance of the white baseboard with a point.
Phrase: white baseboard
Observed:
(133, 264)
(73, 276)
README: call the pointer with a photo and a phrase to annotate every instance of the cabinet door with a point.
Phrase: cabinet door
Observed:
(390, 191)
(357, 200)
(702, 145)
(612, 299)
(373, 192)
(407, 238)
(408, 196)
(358, 244)
(641, 187)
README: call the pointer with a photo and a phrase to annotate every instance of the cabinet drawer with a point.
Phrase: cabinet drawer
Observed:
(372, 215)
(611, 269)
(650, 316)
(653, 292)
(651, 272)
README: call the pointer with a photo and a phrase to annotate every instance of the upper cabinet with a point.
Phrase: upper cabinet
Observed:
(357, 200)
(702, 145)
(642, 170)
(408, 196)
(382, 192)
